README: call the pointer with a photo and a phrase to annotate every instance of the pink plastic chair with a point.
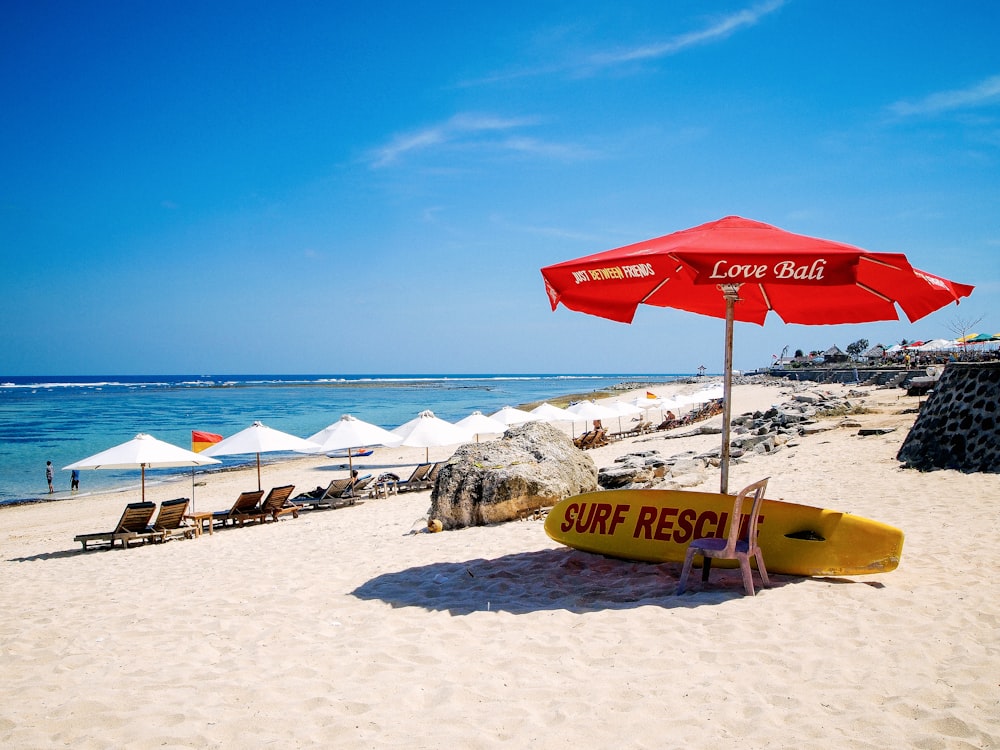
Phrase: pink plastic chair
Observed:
(732, 547)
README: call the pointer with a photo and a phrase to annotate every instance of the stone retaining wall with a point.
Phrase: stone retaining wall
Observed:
(959, 424)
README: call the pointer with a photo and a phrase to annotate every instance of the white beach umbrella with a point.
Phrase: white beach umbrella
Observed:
(511, 416)
(480, 424)
(591, 410)
(938, 345)
(428, 431)
(624, 409)
(645, 403)
(551, 413)
(143, 452)
(348, 433)
(259, 438)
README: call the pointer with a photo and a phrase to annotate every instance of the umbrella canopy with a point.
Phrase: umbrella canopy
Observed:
(143, 452)
(348, 433)
(937, 345)
(511, 416)
(591, 410)
(259, 438)
(739, 269)
(479, 424)
(550, 413)
(428, 431)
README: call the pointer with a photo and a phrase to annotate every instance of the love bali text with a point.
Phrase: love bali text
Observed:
(723, 270)
(667, 524)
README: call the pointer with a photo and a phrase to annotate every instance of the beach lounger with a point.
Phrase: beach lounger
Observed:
(245, 504)
(170, 520)
(334, 492)
(319, 495)
(132, 527)
(417, 480)
(351, 495)
(276, 504)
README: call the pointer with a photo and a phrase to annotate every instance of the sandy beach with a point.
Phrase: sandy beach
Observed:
(341, 628)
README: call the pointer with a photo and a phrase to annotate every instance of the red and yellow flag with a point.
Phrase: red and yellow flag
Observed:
(650, 394)
(201, 440)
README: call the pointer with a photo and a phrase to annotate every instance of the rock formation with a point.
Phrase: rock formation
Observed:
(532, 466)
(959, 425)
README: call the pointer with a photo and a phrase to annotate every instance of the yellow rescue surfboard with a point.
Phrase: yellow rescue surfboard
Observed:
(657, 526)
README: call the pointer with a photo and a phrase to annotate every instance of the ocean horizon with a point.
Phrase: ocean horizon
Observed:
(67, 418)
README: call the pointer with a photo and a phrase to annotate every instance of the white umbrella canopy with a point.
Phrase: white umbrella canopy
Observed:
(624, 409)
(348, 433)
(591, 410)
(645, 403)
(143, 452)
(511, 416)
(259, 438)
(551, 413)
(428, 431)
(479, 424)
(938, 345)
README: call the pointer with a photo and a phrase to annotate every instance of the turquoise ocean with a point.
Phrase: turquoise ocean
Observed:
(65, 419)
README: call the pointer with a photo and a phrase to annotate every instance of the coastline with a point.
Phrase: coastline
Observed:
(369, 635)
(125, 483)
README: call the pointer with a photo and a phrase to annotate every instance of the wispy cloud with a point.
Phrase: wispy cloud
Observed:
(470, 132)
(717, 31)
(984, 93)
(461, 127)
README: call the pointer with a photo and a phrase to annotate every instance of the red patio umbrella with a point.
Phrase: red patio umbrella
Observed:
(739, 269)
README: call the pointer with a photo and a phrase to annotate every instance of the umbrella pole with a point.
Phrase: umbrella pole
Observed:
(731, 292)
(142, 467)
(258, 472)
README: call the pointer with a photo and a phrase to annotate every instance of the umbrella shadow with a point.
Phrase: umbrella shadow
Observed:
(58, 555)
(552, 579)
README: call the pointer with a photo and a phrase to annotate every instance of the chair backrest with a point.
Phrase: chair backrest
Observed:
(335, 488)
(277, 498)
(741, 529)
(136, 517)
(432, 475)
(420, 473)
(247, 501)
(171, 514)
(361, 484)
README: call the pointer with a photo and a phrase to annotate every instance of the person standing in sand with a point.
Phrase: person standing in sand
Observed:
(49, 475)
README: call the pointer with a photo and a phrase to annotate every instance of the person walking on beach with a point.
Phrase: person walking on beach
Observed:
(74, 480)
(49, 475)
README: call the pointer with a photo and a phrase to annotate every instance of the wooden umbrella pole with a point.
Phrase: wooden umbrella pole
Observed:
(258, 472)
(732, 294)
(142, 468)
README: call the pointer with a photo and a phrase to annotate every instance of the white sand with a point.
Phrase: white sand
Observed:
(341, 629)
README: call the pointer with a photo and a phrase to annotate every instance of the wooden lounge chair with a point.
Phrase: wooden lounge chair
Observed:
(320, 496)
(417, 480)
(170, 520)
(245, 504)
(276, 504)
(273, 506)
(353, 492)
(334, 493)
(133, 526)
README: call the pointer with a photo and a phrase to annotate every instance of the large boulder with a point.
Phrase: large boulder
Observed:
(532, 466)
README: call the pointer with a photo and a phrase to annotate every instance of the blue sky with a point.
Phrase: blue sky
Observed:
(323, 187)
